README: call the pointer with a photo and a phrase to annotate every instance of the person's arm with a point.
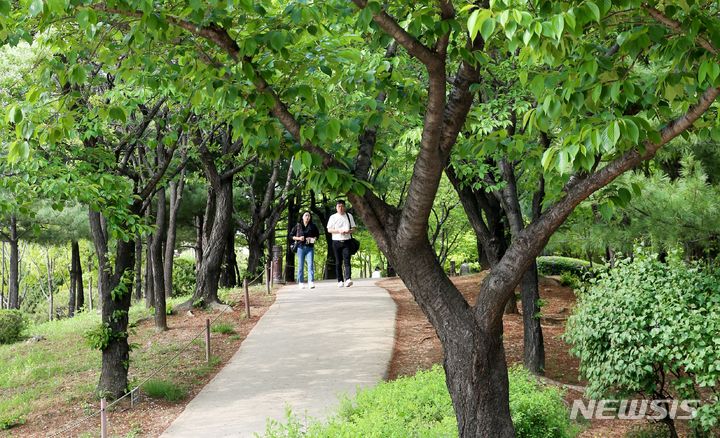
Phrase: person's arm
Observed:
(351, 223)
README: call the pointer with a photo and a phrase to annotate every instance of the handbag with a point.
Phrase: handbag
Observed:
(353, 245)
(296, 243)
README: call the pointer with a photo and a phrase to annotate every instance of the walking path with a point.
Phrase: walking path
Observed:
(310, 346)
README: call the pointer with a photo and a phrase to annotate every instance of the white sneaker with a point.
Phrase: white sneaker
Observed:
(340, 284)
(312, 285)
(348, 283)
(302, 285)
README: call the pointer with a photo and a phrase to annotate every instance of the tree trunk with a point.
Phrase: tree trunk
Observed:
(116, 354)
(293, 211)
(255, 250)
(149, 281)
(156, 252)
(14, 280)
(176, 192)
(198, 242)
(216, 224)
(228, 277)
(79, 288)
(73, 282)
(2, 278)
(138, 269)
(533, 351)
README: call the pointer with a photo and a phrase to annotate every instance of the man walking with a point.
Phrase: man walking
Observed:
(341, 225)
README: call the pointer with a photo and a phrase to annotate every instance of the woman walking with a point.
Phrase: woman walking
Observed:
(306, 232)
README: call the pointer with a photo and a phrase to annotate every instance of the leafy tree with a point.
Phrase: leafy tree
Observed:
(282, 59)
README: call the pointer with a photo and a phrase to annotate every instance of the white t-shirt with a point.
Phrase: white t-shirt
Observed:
(341, 222)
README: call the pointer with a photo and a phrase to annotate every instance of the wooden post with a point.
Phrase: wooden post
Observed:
(103, 418)
(207, 340)
(247, 298)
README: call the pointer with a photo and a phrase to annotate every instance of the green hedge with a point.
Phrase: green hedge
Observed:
(420, 406)
(557, 265)
(183, 277)
(12, 324)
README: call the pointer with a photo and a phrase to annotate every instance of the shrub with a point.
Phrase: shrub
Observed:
(421, 404)
(164, 389)
(12, 324)
(570, 280)
(183, 277)
(223, 327)
(648, 327)
(556, 265)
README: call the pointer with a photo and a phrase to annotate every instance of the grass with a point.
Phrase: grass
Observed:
(223, 327)
(63, 371)
(164, 390)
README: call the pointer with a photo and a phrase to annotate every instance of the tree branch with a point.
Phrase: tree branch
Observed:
(676, 27)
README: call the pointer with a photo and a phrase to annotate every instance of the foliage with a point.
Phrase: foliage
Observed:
(183, 277)
(164, 390)
(223, 327)
(12, 324)
(98, 337)
(421, 404)
(557, 265)
(569, 279)
(651, 328)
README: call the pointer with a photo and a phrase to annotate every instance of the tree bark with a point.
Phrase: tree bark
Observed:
(229, 269)
(533, 344)
(198, 242)
(73, 281)
(2, 278)
(138, 269)
(149, 281)
(176, 192)
(14, 279)
(208, 275)
(115, 304)
(156, 252)
(293, 211)
(79, 288)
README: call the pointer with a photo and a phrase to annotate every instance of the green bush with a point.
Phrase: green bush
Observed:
(556, 265)
(648, 327)
(164, 389)
(12, 324)
(570, 280)
(183, 277)
(421, 405)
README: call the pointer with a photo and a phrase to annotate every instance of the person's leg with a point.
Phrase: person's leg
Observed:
(337, 250)
(346, 262)
(301, 264)
(311, 265)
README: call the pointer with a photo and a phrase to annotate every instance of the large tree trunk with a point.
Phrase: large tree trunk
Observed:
(149, 281)
(217, 224)
(2, 278)
(533, 351)
(79, 288)
(255, 250)
(14, 279)
(176, 192)
(138, 269)
(198, 242)
(157, 263)
(293, 211)
(115, 304)
(229, 270)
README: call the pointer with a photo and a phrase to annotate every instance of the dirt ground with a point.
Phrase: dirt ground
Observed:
(150, 417)
(417, 346)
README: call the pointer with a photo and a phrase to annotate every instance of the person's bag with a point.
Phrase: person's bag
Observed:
(294, 246)
(353, 245)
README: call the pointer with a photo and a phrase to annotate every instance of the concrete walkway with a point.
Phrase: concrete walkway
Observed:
(309, 347)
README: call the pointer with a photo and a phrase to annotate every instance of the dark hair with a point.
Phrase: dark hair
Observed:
(300, 221)
(377, 268)
(340, 201)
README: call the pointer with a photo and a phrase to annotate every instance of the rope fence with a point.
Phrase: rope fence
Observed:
(133, 393)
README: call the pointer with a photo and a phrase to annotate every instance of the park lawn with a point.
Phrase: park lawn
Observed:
(49, 384)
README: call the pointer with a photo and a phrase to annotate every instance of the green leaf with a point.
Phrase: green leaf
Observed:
(606, 210)
(36, 7)
(306, 159)
(487, 28)
(331, 176)
(14, 115)
(56, 6)
(594, 10)
(4, 7)
(472, 24)
(277, 40)
(558, 25)
(297, 166)
(117, 113)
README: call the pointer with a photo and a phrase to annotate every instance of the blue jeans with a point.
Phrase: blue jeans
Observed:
(303, 252)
